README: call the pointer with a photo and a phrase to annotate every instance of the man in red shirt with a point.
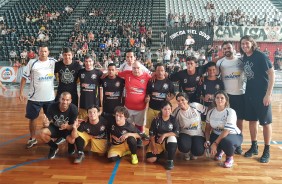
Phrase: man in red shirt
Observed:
(31, 54)
(135, 87)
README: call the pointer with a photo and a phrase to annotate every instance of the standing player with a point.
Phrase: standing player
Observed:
(231, 71)
(188, 79)
(159, 91)
(260, 81)
(210, 85)
(135, 86)
(41, 91)
(93, 131)
(130, 59)
(67, 71)
(113, 87)
(58, 123)
(89, 87)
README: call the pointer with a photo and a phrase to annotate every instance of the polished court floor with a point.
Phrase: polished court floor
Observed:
(23, 166)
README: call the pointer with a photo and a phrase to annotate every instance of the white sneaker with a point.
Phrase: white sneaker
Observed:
(192, 157)
(187, 156)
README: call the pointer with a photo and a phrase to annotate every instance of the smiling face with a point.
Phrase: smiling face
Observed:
(220, 101)
(166, 111)
(67, 57)
(228, 50)
(247, 47)
(89, 64)
(182, 103)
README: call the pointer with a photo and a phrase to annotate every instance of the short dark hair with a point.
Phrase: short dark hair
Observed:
(66, 50)
(129, 50)
(182, 94)
(43, 45)
(226, 42)
(122, 110)
(111, 64)
(210, 64)
(160, 64)
(93, 107)
(191, 58)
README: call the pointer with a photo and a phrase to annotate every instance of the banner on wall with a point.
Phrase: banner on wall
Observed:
(278, 79)
(259, 33)
(176, 37)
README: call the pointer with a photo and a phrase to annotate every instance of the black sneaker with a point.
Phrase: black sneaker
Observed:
(139, 143)
(60, 140)
(80, 157)
(53, 152)
(71, 149)
(238, 150)
(252, 151)
(265, 156)
(169, 164)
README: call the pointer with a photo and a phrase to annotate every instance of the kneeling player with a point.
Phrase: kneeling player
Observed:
(123, 137)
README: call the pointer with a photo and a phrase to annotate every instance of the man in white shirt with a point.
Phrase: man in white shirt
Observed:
(41, 91)
(231, 70)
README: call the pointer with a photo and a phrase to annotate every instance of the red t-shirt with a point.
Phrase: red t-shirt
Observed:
(135, 88)
(31, 55)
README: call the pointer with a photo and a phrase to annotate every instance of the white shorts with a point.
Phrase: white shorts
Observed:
(136, 116)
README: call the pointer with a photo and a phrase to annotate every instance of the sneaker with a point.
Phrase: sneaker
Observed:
(53, 152)
(218, 155)
(169, 165)
(31, 143)
(187, 156)
(265, 156)
(228, 162)
(252, 151)
(145, 136)
(139, 143)
(192, 157)
(60, 140)
(134, 159)
(80, 157)
(71, 149)
(238, 150)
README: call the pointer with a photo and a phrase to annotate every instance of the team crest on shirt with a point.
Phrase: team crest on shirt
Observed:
(88, 130)
(217, 87)
(170, 126)
(93, 76)
(82, 76)
(113, 127)
(165, 86)
(60, 120)
(67, 76)
(117, 84)
(197, 78)
(123, 132)
(102, 128)
(105, 84)
(142, 81)
(185, 80)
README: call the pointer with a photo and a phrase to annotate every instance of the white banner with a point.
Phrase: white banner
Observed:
(259, 33)
(278, 79)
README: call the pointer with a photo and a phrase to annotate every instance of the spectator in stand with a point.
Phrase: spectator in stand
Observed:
(209, 53)
(189, 42)
(167, 55)
(13, 56)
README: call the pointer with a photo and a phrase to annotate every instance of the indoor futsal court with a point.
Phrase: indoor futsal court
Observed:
(20, 165)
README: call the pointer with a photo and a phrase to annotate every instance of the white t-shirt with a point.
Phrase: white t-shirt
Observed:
(189, 41)
(232, 75)
(125, 66)
(167, 54)
(190, 120)
(41, 74)
(223, 120)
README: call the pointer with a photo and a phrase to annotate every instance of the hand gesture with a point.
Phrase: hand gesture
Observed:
(46, 121)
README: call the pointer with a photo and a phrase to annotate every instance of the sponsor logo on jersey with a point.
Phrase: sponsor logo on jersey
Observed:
(47, 77)
(102, 128)
(93, 76)
(117, 84)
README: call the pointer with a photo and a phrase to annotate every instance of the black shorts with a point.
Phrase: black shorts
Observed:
(57, 133)
(237, 102)
(33, 108)
(256, 111)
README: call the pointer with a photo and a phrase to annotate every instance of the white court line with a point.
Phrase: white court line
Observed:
(280, 147)
(274, 142)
